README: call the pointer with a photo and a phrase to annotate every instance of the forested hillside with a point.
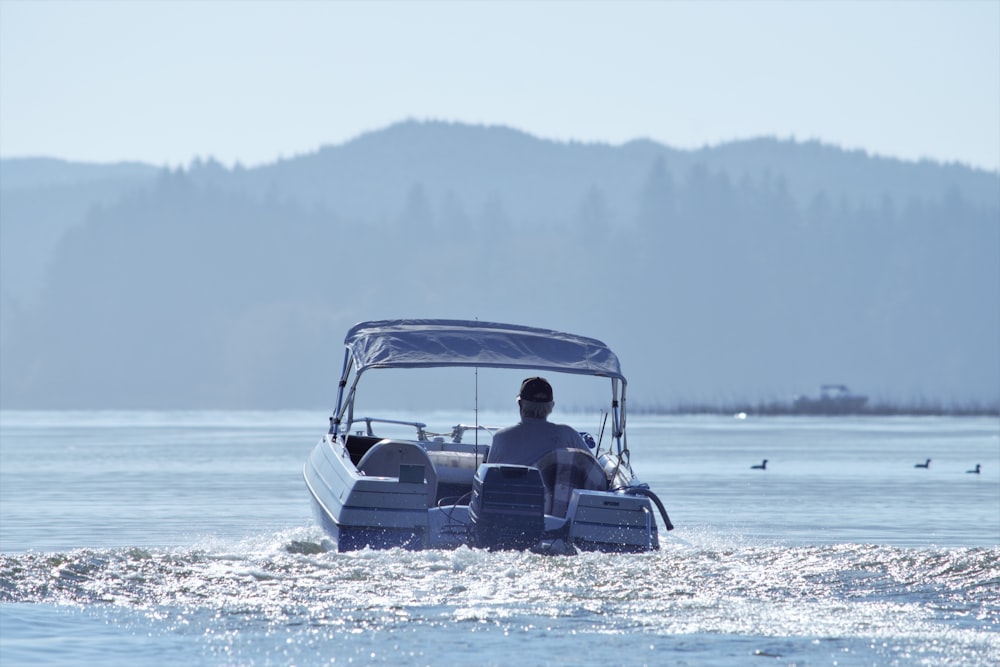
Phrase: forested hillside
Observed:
(748, 271)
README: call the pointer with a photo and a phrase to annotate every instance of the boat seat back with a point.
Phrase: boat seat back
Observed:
(386, 458)
(358, 445)
(564, 470)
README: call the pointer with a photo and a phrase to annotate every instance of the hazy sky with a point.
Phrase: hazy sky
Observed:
(165, 82)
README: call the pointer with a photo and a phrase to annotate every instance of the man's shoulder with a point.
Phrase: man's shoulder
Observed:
(506, 432)
(566, 427)
(571, 433)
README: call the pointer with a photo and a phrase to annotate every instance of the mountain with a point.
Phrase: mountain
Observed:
(539, 181)
(40, 200)
(742, 272)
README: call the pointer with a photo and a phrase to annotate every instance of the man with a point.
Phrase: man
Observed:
(534, 436)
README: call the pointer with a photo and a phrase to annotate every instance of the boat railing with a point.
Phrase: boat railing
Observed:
(459, 430)
(368, 421)
(456, 433)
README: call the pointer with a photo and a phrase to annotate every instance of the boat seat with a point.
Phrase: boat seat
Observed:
(386, 457)
(564, 470)
(358, 445)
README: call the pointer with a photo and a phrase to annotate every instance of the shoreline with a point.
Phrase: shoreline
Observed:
(776, 409)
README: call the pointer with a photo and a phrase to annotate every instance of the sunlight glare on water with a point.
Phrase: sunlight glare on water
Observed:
(186, 539)
(708, 587)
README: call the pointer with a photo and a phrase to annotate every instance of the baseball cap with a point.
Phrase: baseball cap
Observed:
(536, 389)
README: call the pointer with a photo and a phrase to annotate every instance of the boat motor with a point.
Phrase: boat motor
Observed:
(507, 507)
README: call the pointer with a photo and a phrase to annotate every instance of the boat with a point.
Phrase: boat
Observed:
(435, 490)
(833, 399)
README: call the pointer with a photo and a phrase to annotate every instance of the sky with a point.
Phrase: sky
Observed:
(251, 82)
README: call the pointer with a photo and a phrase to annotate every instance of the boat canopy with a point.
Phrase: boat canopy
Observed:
(442, 343)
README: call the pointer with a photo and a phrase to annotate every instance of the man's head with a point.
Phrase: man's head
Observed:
(535, 398)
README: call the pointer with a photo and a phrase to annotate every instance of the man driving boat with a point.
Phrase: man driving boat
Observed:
(534, 436)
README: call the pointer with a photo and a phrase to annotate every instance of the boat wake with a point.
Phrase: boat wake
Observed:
(944, 600)
(698, 571)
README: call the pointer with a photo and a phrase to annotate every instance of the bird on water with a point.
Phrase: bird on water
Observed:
(926, 464)
(762, 466)
(974, 471)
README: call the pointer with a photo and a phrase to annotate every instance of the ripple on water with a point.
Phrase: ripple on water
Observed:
(703, 587)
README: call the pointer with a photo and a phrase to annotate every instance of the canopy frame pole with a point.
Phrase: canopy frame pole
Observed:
(335, 419)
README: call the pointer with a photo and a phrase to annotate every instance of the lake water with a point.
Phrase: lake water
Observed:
(152, 538)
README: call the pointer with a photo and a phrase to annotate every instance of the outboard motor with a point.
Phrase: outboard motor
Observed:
(507, 507)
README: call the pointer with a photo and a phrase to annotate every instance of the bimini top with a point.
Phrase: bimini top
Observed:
(440, 343)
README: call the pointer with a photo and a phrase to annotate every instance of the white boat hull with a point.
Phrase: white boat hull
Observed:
(360, 511)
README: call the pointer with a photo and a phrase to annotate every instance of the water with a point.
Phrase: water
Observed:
(185, 538)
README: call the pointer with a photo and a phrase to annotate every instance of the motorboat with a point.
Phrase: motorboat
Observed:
(833, 399)
(429, 489)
